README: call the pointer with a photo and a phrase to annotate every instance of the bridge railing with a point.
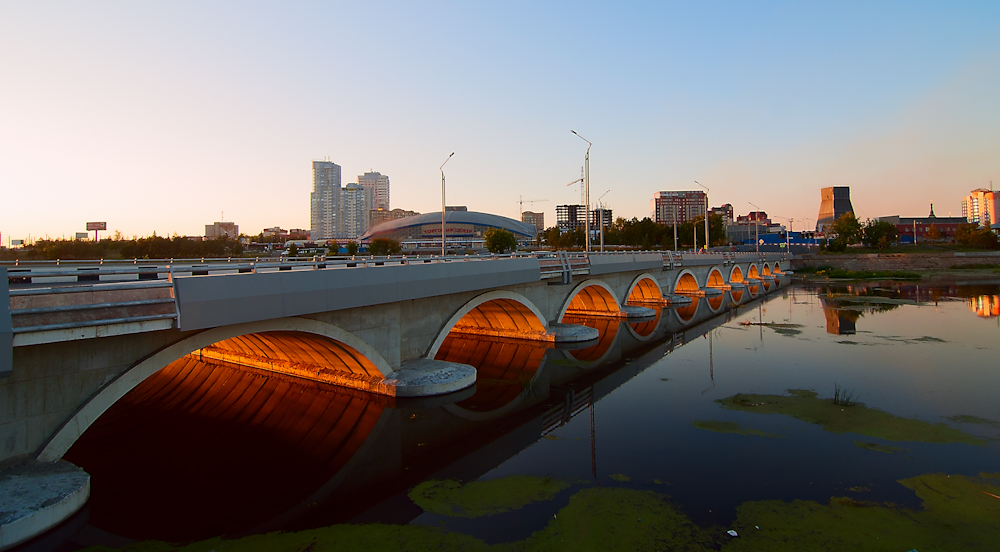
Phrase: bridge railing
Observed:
(47, 296)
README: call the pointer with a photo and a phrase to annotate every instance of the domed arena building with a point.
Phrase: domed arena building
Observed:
(464, 230)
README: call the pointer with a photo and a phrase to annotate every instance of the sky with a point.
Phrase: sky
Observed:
(166, 116)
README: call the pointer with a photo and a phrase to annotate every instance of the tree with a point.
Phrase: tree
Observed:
(847, 230)
(934, 233)
(384, 246)
(498, 240)
(878, 234)
(352, 248)
(293, 250)
(969, 235)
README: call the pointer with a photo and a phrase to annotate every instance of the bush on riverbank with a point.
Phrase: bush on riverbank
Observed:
(839, 273)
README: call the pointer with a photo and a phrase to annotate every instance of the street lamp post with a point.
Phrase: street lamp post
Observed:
(600, 206)
(443, 233)
(675, 228)
(586, 192)
(708, 242)
(756, 228)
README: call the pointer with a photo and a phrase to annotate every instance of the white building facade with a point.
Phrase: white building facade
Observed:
(376, 187)
(324, 201)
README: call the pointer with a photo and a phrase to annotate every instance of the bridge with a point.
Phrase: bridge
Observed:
(77, 337)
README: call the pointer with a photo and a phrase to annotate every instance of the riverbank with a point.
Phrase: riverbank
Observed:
(950, 266)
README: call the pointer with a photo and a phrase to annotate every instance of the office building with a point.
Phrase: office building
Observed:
(222, 230)
(836, 202)
(376, 187)
(681, 206)
(980, 208)
(324, 201)
(535, 219)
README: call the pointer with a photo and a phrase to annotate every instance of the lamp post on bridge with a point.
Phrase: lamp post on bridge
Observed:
(708, 242)
(601, 223)
(443, 233)
(586, 192)
(756, 227)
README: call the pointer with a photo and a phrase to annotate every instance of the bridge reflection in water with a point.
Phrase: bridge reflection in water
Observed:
(206, 447)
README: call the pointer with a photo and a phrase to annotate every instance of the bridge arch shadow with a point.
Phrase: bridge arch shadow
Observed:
(495, 314)
(590, 298)
(303, 348)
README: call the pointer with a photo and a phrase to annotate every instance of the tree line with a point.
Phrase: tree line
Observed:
(150, 247)
(644, 234)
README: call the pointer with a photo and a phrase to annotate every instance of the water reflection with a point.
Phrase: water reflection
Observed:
(985, 306)
(686, 313)
(504, 367)
(645, 329)
(608, 330)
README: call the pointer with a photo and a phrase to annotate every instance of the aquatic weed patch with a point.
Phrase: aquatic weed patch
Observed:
(877, 447)
(805, 405)
(484, 498)
(731, 427)
(959, 513)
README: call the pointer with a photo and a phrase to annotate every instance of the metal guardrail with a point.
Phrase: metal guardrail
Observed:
(34, 281)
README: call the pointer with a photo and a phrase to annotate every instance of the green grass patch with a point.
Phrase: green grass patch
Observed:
(841, 274)
(958, 513)
(805, 405)
(484, 498)
(730, 427)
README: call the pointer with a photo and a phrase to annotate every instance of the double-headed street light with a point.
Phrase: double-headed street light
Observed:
(708, 242)
(443, 236)
(586, 191)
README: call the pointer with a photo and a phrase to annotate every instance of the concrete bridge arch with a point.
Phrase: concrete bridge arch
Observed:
(367, 359)
(499, 312)
(715, 278)
(645, 287)
(590, 297)
(736, 275)
(686, 282)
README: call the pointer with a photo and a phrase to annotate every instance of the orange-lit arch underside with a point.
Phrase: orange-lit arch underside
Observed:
(752, 273)
(503, 368)
(593, 301)
(502, 318)
(715, 280)
(737, 276)
(308, 356)
(646, 291)
(686, 284)
(767, 270)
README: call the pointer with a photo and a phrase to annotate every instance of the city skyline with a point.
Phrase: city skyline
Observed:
(158, 118)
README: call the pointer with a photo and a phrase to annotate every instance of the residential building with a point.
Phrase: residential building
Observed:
(836, 201)
(298, 234)
(535, 219)
(600, 216)
(275, 232)
(980, 207)
(353, 211)
(378, 216)
(681, 206)
(376, 187)
(724, 211)
(324, 201)
(222, 230)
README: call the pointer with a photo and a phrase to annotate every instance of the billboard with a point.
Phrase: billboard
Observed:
(97, 226)
(82, 235)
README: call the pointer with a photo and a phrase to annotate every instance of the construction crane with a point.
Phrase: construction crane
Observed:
(580, 181)
(521, 201)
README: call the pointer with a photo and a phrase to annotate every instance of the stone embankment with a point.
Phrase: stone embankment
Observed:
(897, 261)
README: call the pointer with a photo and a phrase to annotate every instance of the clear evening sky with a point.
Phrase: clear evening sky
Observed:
(158, 116)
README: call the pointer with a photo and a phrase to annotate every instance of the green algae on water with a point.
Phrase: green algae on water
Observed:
(619, 519)
(877, 447)
(374, 537)
(620, 477)
(805, 405)
(484, 498)
(958, 514)
(730, 427)
(967, 419)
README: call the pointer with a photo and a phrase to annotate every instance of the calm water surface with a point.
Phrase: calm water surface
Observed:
(206, 450)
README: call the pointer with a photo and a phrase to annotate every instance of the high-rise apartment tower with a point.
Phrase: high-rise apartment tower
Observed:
(324, 201)
(376, 189)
